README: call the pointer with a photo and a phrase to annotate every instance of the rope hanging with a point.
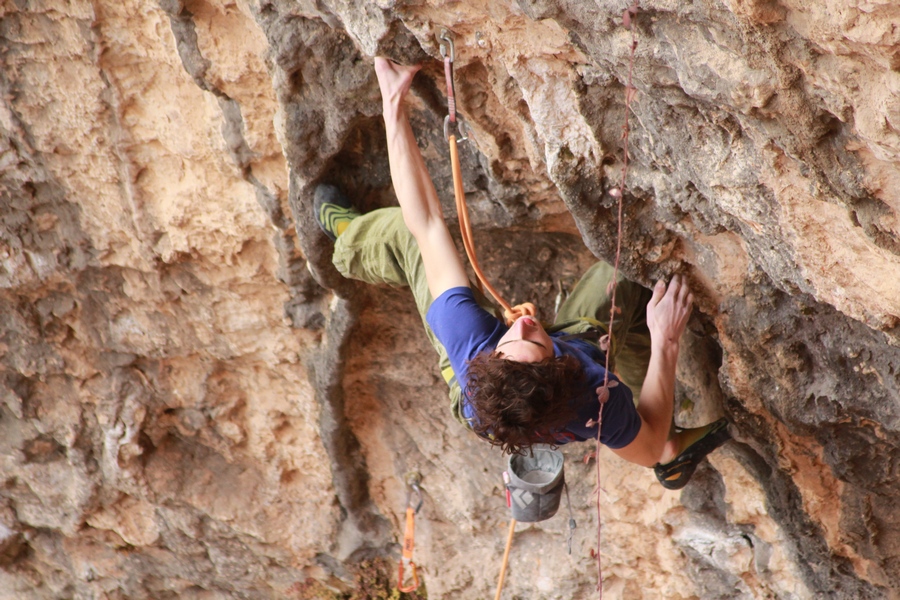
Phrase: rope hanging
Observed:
(510, 313)
(619, 194)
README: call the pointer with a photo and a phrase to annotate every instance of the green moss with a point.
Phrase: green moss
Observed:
(375, 580)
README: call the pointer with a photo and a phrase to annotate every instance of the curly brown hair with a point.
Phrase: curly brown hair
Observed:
(518, 404)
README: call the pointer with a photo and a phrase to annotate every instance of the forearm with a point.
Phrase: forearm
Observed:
(657, 398)
(415, 191)
(412, 183)
(668, 312)
(655, 408)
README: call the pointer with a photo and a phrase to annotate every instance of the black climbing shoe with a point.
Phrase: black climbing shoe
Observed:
(676, 474)
(333, 210)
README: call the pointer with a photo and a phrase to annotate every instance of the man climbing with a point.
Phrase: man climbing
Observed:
(520, 385)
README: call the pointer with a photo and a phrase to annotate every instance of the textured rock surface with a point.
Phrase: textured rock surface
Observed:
(195, 404)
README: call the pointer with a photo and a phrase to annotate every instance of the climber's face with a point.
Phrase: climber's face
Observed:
(526, 341)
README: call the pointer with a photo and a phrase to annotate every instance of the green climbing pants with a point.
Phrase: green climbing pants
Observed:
(377, 248)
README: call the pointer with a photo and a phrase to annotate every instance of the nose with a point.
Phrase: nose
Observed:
(520, 326)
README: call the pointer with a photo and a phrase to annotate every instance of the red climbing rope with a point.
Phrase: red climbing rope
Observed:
(619, 194)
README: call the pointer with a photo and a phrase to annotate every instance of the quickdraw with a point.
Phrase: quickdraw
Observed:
(413, 480)
(448, 52)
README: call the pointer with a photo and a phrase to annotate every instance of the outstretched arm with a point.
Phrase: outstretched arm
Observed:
(667, 316)
(413, 186)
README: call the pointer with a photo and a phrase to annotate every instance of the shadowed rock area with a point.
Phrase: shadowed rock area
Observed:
(195, 404)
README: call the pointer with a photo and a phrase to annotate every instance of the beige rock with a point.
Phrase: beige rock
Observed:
(194, 404)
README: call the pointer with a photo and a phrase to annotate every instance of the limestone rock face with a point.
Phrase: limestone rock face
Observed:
(195, 404)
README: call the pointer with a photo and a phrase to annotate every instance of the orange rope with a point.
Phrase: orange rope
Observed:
(509, 539)
(510, 313)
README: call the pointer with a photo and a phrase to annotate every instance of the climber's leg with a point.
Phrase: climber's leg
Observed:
(630, 352)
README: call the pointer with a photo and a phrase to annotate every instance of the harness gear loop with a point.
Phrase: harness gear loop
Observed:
(413, 480)
(510, 313)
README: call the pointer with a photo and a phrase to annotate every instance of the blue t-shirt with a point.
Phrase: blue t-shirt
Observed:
(465, 330)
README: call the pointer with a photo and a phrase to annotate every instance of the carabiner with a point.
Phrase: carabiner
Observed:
(446, 39)
(414, 480)
(460, 127)
(415, 577)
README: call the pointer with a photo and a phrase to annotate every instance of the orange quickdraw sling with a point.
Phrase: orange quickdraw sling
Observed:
(406, 562)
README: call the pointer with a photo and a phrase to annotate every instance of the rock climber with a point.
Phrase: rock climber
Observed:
(520, 385)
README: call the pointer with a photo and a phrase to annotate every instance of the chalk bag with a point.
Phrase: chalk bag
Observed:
(536, 481)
